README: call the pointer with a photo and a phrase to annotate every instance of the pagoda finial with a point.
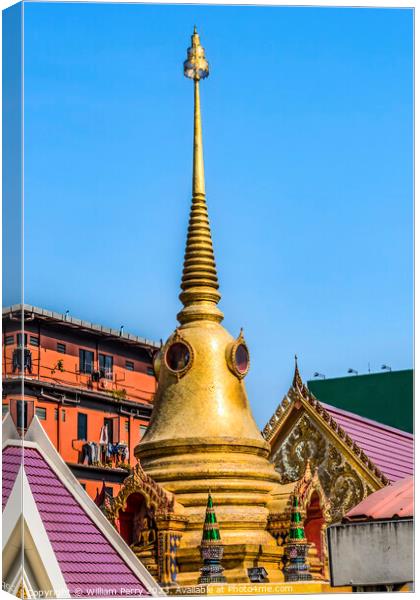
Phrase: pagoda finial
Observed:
(199, 284)
(297, 379)
(196, 66)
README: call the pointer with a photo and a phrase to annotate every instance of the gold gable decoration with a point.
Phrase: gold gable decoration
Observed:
(342, 484)
(305, 442)
(299, 395)
(301, 429)
(157, 499)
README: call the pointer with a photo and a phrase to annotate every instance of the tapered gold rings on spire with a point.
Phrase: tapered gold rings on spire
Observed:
(199, 284)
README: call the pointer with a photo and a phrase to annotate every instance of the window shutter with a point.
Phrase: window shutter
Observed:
(115, 430)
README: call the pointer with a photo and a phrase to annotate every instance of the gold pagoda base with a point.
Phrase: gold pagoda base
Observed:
(237, 559)
(237, 471)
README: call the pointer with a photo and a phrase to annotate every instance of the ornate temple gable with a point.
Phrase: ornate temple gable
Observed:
(151, 521)
(159, 501)
(343, 482)
(301, 429)
(300, 400)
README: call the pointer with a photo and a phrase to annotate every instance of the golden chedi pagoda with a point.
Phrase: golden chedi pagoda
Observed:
(202, 433)
(202, 436)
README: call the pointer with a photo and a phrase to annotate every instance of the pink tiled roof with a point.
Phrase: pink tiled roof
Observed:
(90, 565)
(393, 501)
(11, 460)
(390, 449)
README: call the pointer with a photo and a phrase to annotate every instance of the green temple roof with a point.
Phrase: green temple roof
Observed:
(384, 397)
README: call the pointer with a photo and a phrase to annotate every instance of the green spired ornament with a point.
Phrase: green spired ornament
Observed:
(211, 548)
(297, 531)
(296, 547)
(211, 531)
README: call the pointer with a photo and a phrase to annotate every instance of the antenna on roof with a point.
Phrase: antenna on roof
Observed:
(66, 314)
(353, 371)
(386, 368)
(121, 329)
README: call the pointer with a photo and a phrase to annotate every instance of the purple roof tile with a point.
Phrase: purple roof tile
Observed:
(390, 449)
(89, 563)
(11, 461)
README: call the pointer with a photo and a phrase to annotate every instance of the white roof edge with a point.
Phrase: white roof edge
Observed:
(9, 431)
(12, 513)
(37, 438)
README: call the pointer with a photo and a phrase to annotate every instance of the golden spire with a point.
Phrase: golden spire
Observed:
(307, 476)
(199, 284)
(297, 379)
(298, 384)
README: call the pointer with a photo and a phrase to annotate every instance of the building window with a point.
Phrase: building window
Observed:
(63, 415)
(24, 338)
(41, 413)
(17, 359)
(150, 371)
(55, 414)
(22, 413)
(61, 348)
(81, 426)
(109, 424)
(5, 409)
(105, 366)
(9, 339)
(86, 361)
(34, 340)
(129, 365)
(126, 425)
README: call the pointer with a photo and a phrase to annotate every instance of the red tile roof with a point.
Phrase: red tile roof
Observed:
(390, 449)
(90, 565)
(393, 501)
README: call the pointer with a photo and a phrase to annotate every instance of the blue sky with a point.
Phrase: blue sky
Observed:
(307, 122)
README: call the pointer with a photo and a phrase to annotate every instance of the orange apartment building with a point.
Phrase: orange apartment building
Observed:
(90, 386)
